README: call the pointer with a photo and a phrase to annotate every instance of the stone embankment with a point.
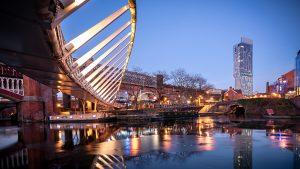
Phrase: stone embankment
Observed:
(280, 107)
(258, 107)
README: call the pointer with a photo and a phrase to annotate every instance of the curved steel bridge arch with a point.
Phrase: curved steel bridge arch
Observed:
(33, 43)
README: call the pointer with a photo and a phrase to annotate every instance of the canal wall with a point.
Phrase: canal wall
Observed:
(296, 101)
(257, 107)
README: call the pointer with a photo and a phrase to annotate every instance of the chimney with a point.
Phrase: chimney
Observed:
(267, 87)
(159, 81)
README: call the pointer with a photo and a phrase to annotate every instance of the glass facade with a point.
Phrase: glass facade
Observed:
(243, 67)
(297, 74)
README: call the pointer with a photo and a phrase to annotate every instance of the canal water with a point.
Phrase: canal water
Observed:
(205, 142)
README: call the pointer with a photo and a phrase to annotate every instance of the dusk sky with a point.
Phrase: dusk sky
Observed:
(199, 35)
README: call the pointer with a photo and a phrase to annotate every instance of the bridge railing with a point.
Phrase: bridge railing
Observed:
(12, 84)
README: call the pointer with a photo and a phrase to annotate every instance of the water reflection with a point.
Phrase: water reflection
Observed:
(243, 149)
(180, 144)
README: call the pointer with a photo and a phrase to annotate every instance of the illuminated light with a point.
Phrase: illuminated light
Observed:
(97, 48)
(57, 117)
(207, 134)
(134, 146)
(283, 145)
(78, 2)
(167, 144)
(89, 132)
(58, 105)
(99, 165)
(59, 134)
(94, 116)
(90, 33)
(71, 117)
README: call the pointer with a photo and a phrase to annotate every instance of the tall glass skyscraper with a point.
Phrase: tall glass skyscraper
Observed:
(243, 67)
(297, 74)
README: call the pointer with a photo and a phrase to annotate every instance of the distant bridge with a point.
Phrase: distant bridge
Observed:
(32, 42)
(11, 84)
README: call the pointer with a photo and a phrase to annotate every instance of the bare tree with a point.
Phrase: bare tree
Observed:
(208, 86)
(137, 69)
(133, 91)
(199, 81)
(193, 81)
(179, 77)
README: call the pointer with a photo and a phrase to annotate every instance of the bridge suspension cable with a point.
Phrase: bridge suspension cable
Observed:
(100, 75)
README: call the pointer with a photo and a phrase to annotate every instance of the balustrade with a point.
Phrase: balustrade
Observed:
(14, 85)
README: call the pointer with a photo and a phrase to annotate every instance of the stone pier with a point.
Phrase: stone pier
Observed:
(37, 103)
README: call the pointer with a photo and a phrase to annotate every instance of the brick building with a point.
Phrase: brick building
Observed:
(284, 85)
(233, 94)
(154, 91)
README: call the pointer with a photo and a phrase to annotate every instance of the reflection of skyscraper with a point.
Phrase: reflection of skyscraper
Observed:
(243, 68)
(243, 150)
(296, 151)
(297, 74)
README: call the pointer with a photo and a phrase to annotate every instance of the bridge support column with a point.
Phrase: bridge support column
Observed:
(37, 103)
(66, 101)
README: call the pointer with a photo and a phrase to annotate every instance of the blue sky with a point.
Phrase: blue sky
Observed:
(199, 35)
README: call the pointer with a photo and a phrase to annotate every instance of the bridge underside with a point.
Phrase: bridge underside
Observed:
(26, 45)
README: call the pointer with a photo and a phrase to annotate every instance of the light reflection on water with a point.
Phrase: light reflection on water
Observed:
(205, 142)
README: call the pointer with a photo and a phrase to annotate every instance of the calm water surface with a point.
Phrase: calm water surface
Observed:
(206, 143)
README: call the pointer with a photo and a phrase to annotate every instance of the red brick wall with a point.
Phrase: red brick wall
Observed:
(232, 95)
(37, 103)
(290, 77)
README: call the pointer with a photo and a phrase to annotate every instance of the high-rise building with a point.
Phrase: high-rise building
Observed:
(297, 74)
(243, 67)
